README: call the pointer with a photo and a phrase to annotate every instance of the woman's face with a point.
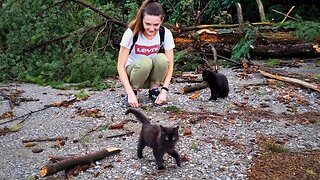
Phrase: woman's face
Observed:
(151, 24)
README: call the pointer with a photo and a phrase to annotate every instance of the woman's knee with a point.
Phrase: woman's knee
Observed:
(143, 65)
(161, 60)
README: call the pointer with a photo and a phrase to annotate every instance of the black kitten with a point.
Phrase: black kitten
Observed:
(161, 139)
(218, 84)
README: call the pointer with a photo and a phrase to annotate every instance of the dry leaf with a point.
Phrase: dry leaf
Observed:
(187, 131)
(29, 144)
(118, 125)
(8, 114)
(194, 96)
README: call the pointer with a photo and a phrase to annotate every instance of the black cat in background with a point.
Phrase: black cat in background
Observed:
(218, 84)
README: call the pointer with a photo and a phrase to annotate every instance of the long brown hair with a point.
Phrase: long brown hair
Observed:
(150, 7)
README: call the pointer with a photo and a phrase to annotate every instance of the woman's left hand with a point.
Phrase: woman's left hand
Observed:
(162, 97)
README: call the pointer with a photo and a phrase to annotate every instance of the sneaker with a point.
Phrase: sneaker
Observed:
(153, 94)
(125, 99)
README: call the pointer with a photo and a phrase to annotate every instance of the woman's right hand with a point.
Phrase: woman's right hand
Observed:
(133, 100)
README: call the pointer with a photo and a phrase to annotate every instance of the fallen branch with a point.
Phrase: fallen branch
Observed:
(291, 80)
(51, 169)
(45, 139)
(101, 13)
(196, 87)
(120, 135)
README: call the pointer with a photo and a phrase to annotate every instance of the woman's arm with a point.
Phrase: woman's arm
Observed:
(170, 56)
(162, 97)
(122, 60)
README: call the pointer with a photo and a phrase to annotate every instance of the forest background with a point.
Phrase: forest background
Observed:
(53, 42)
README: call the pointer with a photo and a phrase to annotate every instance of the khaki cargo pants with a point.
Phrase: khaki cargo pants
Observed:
(145, 70)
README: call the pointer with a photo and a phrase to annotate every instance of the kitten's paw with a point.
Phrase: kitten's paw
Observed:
(161, 168)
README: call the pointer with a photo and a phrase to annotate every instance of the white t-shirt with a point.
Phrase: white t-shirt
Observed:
(144, 46)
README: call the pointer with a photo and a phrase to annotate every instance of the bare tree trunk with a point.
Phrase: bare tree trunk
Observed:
(240, 17)
(261, 11)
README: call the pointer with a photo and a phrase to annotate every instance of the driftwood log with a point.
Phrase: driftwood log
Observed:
(51, 169)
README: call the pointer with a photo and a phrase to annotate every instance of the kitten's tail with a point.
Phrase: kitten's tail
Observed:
(141, 117)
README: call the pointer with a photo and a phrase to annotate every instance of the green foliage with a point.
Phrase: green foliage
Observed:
(186, 12)
(82, 94)
(79, 56)
(186, 61)
(172, 109)
(104, 127)
(317, 77)
(242, 48)
(272, 62)
(276, 147)
(303, 29)
(194, 146)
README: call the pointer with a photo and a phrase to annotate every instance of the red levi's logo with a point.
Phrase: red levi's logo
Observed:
(146, 50)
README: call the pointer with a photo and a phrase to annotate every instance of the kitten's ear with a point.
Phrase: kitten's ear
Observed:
(163, 128)
(176, 128)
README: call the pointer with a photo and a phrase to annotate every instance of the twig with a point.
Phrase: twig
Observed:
(215, 66)
(120, 135)
(201, 12)
(26, 115)
(286, 16)
(45, 139)
(98, 35)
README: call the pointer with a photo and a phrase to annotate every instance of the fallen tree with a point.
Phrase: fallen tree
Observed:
(268, 43)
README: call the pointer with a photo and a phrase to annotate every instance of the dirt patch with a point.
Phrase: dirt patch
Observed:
(294, 166)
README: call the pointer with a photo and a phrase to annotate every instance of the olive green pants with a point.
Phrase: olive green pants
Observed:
(145, 70)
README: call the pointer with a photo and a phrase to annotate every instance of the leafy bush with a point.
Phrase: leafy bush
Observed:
(304, 29)
(186, 61)
(29, 51)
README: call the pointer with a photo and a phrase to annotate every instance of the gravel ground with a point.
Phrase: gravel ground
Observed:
(220, 147)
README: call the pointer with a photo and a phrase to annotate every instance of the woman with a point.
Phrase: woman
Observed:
(141, 66)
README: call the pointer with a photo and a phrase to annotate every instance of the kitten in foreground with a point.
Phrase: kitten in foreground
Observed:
(161, 139)
(218, 84)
